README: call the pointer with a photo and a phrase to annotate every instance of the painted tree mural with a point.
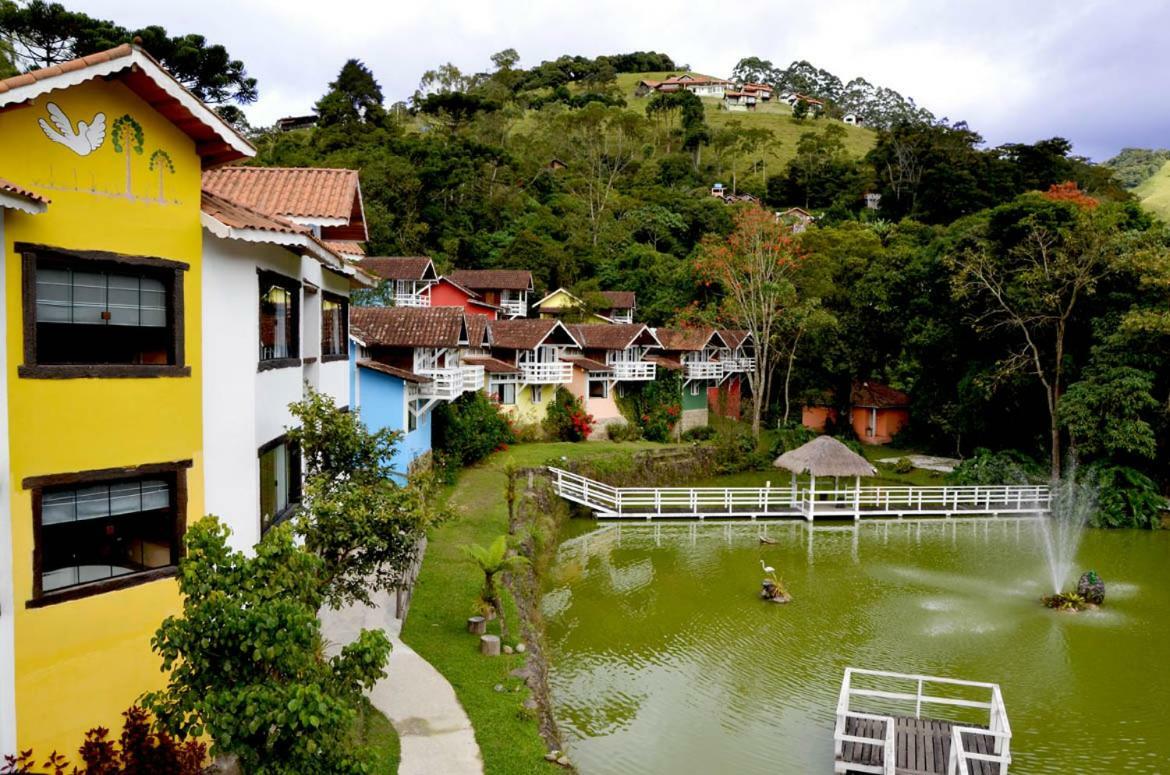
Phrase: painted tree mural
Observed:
(160, 161)
(128, 138)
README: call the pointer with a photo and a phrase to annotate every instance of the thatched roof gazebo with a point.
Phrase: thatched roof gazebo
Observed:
(826, 456)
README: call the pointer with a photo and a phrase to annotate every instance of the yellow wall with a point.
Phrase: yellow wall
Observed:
(80, 663)
(560, 299)
(525, 410)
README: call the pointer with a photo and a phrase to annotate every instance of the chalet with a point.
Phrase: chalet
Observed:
(406, 360)
(407, 279)
(507, 289)
(736, 360)
(878, 412)
(328, 201)
(532, 348)
(813, 103)
(694, 352)
(445, 292)
(101, 392)
(621, 306)
(645, 86)
(739, 101)
(761, 91)
(609, 356)
(702, 85)
(561, 304)
(797, 218)
(254, 366)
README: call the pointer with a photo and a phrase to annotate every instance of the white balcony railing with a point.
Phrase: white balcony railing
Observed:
(514, 309)
(412, 300)
(632, 371)
(704, 370)
(549, 373)
(738, 364)
(450, 383)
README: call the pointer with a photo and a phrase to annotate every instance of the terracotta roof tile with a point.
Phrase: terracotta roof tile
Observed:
(393, 371)
(8, 187)
(521, 334)
(674, 364)
(476, 330)
(877, 395)
(407, 326)
(620, 299)
(72, 65)
(398, 267)
(239, 216)
(346, 247)
(589, 364)
(734, 337)
(300, 192)
(493, 279)
(687, 339)
(491, 365)
(607, 336)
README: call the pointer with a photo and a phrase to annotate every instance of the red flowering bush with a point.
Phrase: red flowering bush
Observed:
(567, 419)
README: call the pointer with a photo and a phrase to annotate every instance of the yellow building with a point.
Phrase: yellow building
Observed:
(527, 365)
(100, 433)
(560, 304)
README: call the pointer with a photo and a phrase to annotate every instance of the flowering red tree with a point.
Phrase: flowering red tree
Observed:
(754, 266)
(1069, 191)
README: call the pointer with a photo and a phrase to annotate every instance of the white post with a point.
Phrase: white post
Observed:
(812, 494)
(857, 498)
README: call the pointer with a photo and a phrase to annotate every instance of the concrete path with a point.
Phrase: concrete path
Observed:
(436, 734)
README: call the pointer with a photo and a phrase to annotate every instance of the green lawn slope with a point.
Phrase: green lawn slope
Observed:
(1154, 192)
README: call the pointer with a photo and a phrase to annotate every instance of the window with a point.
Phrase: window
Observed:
(506, 393)
(279, 324)
(598, 388)
(694, 388)
(537, 393)
(280, 481)
(334, 327)
(102, 530)
(94, 314)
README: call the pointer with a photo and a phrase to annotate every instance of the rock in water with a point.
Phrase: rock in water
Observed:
(1091, 588)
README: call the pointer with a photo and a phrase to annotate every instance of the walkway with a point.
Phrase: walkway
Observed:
(435, 732)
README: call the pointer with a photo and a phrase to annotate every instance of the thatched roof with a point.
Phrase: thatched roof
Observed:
(825, 456)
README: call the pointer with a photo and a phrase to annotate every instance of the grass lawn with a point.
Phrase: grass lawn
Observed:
(447, 589)
(373, 731)
(1155, 192)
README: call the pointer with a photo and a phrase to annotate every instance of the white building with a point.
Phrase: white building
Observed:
(275, 320)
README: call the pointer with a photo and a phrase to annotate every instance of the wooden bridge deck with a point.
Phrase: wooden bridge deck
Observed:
(923, 747)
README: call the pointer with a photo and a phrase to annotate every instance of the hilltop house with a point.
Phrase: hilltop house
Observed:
(408, 279)
(878, 412)
(102, 463)
(609, 355)
(507, 289)
(760, 91)
(527, 366)
(254, 366)
(404, 361)
(622, 306)
(695, 353)
(739, 100)
(702, 85)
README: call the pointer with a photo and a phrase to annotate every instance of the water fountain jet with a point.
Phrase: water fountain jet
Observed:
(1074, 500)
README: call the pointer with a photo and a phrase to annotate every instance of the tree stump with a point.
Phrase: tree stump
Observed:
(489, 645)
(477, 625)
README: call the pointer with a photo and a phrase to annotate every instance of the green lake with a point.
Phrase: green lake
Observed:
(664, 659)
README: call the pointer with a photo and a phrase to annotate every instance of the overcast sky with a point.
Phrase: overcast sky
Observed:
(1095, 71)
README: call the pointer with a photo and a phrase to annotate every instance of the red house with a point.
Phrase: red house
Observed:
(445, 292)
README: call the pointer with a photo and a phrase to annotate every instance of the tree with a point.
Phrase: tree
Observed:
(244, 658)
(1028, 270)
(1106, 412)
(365, 528)
(354, 97)
(754, 267)
(127, 137)
(160, 161)
(494, 560)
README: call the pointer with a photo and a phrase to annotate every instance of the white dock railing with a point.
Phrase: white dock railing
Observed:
(997, 728)
(787, 501)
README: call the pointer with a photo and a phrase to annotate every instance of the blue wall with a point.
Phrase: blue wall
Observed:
(383, 405)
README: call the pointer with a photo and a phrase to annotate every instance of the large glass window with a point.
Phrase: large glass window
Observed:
(506, 393)
(101, 314)
(279, 326)
(106, 532)
(598, 388)
(334, 321)
(280, 481)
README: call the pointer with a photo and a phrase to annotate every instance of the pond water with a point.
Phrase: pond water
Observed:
(666, 661)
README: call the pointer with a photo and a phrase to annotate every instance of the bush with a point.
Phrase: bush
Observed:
(1008, 466)
(623, 431)
(655, 407)
(139, 750)
(736, 450)
(791, 436)
(1126, 498)
(567, 419)
(467, 430)
(528, 433)
(699, 433)
(903, 466)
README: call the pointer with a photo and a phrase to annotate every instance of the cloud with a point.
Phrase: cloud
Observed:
(1016, 70)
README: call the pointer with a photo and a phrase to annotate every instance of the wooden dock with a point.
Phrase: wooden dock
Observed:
(921, 747)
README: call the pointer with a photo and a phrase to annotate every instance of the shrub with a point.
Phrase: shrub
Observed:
(903, 466)
(567, 419)
(699, 433)
(622, 431)
(655, 407)
(1126, 498)
(139, 750)
(529, 433)
(791, 436)
(736, 450)
(1008, 466)
(467, 430)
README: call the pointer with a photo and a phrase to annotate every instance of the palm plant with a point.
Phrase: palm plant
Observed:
(493, 560)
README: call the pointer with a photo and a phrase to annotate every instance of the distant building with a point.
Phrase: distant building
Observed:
(873, 201)
(507, 289)
(739, 101)
(852, 119)
(702, 85)
(878, 412)
(622, 305)
(289, 123)
(798, 218)
(761, 91)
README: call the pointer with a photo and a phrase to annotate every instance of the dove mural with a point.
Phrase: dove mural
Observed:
(86, 139)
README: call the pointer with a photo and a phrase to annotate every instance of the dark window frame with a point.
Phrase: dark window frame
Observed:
(344, 301)
(170, 272)
(267, 278)
(295, 481)
(176, 474)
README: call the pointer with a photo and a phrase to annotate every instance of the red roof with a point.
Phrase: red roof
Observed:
(589, 364)
(392, 371)
(734, 337)
(239, 216)
(610, 336)
(875, 395)
(688, 339)
(408, 326)
(399, 267)
(619, 299)
(491, 365)
(524, 333)
(493, 279)
(331, 197)
(8, 187)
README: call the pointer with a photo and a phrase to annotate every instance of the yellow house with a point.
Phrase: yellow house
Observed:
(101, 424)
(562, 304)
(528, 366)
